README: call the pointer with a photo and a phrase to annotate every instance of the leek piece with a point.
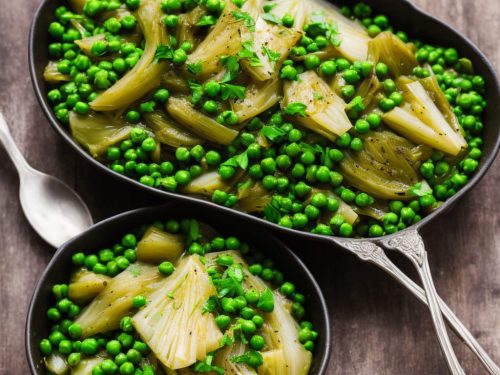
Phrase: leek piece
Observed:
(273, 362)
(182, 111)
(85, 44)
(169, 132)
(296, 8)
(52, 75)
(432, 87)
(368, 90)
(104, 313)
(353, 37)
(146, 74)
(423, 106)
(157, 246)
(259, 98)
(85, 285)
(281, 332)
(392, 51)
(56, 364)
(187, 28)
(325, 109)
(271, 45)
(175, 83)
(224, 356)
(86, 365)
(97, 131)
(255, 199)
(345, 210)
(385, 168)
(223, 40)
(206, 184)
(410, 126)
(173, 323)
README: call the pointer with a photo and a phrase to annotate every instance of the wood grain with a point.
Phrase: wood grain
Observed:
(377, 327)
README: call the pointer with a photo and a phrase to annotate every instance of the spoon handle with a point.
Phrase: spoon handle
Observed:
(411, 245)
(370, 252)
(11, 147)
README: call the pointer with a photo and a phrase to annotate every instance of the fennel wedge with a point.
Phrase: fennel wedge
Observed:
(173, 324)
(325, 110)
(146, 74)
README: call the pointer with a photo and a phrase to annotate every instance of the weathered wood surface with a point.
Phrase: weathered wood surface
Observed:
(377, 327)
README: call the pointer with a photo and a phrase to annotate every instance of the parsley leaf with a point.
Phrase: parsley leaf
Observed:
(206, 365)
(195, 68)
(273, 56)
(229, 91)
(164, 52)
(271, 18)
(232, 66)
(319, 26)
(272, 212)
(231, 284)
(196, 91)
(273, 133)
(226, 340)
(248, 21)
(240, 160)
(248, 53)
(296, 109)
(210, 305)
(419, 190)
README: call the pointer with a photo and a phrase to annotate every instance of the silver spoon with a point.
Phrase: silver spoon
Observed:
(52, 208)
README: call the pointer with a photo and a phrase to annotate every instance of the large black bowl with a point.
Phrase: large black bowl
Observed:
(109, 231)
(403, 15)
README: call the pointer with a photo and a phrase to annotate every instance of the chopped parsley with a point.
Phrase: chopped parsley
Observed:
(296, 109)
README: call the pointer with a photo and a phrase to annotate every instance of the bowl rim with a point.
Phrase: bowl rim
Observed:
(152, 212)
(485, 165)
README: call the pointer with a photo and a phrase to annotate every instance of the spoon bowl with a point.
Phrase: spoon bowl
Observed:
(54, 210)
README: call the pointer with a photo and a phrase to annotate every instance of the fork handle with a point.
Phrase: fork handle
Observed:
(370, 252)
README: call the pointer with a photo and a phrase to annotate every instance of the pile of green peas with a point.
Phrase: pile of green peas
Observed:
(242, 312)
(291, 169)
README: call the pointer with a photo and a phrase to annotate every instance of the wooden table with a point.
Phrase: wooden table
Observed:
(377, 327)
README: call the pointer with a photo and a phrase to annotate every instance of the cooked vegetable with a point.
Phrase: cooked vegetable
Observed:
(387, 167)
(157, 246)
(85, 285)
(207, 128)
(223, 40)
(173, 324)
(259, 98)
(206, 184)
(104, 313)
(281, 333)
(390, 50)
(146, 74)
(97, 131)
(323, 113)
(169, 132)
(271, 108)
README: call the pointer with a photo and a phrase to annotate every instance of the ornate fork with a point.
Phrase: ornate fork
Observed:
(410, 244)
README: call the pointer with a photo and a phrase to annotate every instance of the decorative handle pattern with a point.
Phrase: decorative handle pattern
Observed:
(370, 252)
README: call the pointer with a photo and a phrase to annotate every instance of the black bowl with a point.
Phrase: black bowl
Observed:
(109, 231)
(403, 15)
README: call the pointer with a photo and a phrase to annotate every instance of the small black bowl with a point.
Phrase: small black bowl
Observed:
(109, 231)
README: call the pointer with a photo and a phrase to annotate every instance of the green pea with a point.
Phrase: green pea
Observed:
(288, 72)
(351, 76)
